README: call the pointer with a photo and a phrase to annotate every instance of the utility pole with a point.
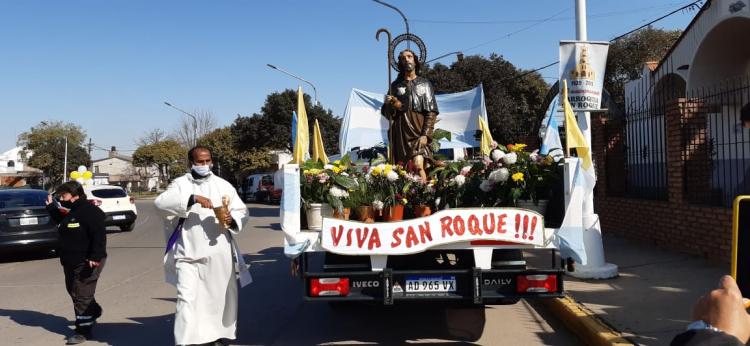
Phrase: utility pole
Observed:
(596, 266)
(91, 161)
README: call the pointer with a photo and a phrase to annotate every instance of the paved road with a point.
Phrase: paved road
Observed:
(139, 306)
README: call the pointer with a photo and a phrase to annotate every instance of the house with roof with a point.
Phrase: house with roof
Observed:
(118, 169)
(670, 168)
(14, 172)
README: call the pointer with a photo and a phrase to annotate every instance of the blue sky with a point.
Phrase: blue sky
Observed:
(109, 65)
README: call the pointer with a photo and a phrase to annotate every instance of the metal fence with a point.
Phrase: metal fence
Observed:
(637, 156)
(716, 148)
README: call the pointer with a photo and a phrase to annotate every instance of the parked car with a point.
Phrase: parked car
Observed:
(258, 188)
(25, 222)
(118, 207)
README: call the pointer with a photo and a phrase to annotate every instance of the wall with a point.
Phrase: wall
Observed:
(674, 223)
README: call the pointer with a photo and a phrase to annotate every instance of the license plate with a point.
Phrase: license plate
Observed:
(430, 284)
(118, 217)
(25, 221)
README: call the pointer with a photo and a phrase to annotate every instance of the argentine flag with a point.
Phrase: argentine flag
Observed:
(551, 144)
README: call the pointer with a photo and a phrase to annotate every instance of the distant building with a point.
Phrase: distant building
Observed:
(13, 169)
(117, 169)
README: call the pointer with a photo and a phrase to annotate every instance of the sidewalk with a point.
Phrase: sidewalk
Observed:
(651, 301)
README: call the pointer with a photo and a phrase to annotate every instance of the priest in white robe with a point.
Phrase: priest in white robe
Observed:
(201, 257)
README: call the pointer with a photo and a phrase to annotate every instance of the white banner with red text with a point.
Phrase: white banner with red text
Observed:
(480, 226)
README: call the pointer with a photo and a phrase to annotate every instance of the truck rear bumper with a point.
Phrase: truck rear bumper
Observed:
(473, 285)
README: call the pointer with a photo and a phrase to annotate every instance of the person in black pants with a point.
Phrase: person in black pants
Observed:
(83, 243)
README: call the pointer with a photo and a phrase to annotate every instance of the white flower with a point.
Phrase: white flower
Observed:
(328, 166)
(337, 192)
(499, 175)
(485, 186)
(368, 177)
(459, 179)
(465, 171)
(497, 155)
(392, 176)
(510, 158)
(345, 174)
(378, 205)
(534, 157)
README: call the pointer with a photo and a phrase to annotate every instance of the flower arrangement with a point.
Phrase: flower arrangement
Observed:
(419, 192)
(329, 183)
(502, 178)
(385, 183)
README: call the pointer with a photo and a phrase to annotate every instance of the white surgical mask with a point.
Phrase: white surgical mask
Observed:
(202, 170)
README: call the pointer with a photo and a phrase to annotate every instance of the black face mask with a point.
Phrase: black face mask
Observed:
(66, 204)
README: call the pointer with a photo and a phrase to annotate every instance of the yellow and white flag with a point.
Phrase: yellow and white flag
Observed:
(485, 143)
(319, 150)
(302, 139)
(574, 139)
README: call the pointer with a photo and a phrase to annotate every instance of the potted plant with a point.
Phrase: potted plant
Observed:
(420, 194)
(323, 187)
(361, 201)
(385, 181)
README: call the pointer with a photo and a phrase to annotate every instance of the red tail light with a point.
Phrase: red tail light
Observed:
(95, 202)
(536, 283)
(132, 200)
(320, 287)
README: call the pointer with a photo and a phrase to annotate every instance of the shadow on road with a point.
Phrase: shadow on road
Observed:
(272, 311)
(155, 330)
(27, 255)
(274, 226)
(263, 211)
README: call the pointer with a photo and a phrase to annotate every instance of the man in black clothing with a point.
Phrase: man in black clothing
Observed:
(83, 243)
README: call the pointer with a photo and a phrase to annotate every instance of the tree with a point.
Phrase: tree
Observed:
(272, 128)
(230, 163)
(168, 155)
(628, 54)
(151, 137)
(514, 98)
(206, 122)
(46, 143)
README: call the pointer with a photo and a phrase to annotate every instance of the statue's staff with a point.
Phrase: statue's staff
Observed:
(389, 53)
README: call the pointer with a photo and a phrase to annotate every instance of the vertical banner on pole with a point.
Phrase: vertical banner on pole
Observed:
(583, 65)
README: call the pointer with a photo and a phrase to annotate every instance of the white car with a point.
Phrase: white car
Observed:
(118, 207)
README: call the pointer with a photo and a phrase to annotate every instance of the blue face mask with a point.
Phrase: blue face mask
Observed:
(203, 171)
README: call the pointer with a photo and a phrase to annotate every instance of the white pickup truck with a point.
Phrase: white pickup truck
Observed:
(475, 255)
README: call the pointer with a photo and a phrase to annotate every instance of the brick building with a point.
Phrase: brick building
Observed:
(670, 167)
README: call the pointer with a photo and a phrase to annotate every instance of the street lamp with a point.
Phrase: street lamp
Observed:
(406, 22)
(459, 56)
(65, 160)
(315, 91)
(195, 122)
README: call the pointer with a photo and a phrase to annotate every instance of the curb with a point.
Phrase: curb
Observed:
(591, 329)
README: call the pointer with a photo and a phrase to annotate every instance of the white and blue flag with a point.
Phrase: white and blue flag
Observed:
(551, 144)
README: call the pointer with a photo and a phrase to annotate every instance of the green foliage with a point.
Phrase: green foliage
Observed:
(331, 183)
(514, 103)
(627, 56)
(234, 163)
(437, 135)
(168, 155)
(46, 143)
(272, 128)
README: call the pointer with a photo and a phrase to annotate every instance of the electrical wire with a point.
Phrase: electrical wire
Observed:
(690, 5)
(540, 20)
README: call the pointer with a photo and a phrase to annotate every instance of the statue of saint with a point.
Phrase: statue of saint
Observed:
(412, 112)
